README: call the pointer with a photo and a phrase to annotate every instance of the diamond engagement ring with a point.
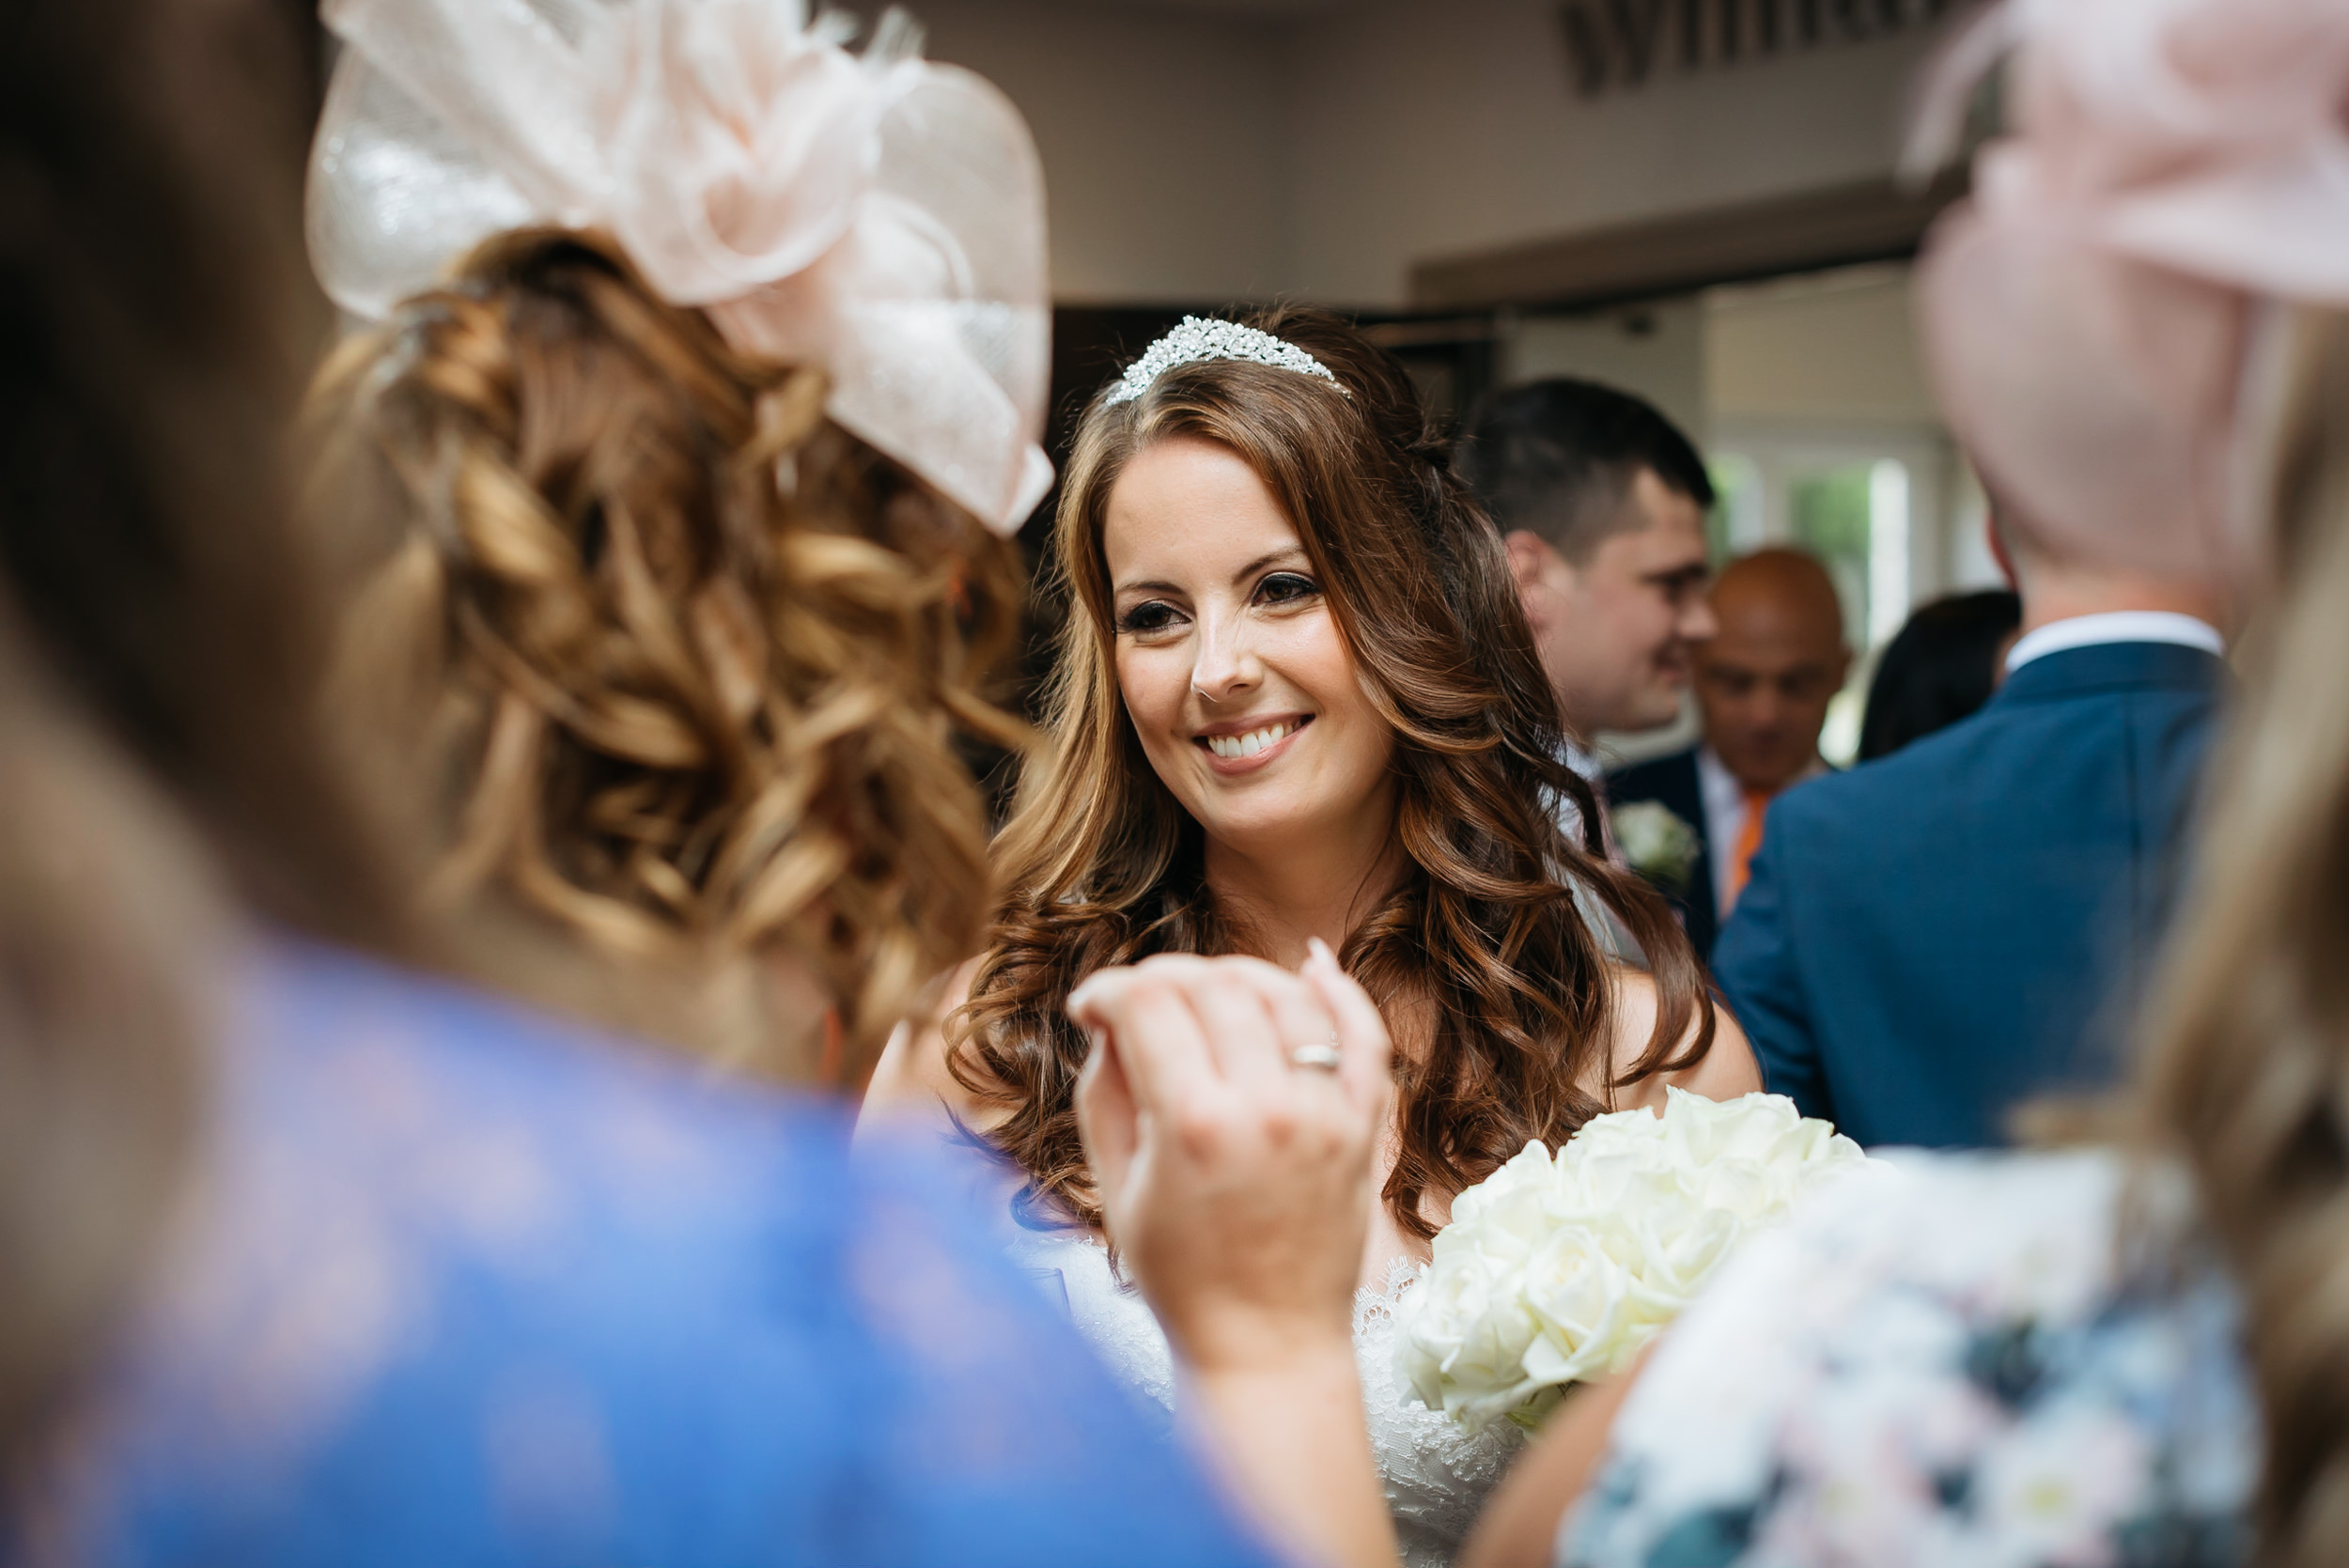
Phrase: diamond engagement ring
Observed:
(1322, 1056)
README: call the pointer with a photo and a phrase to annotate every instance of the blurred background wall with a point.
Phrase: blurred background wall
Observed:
(1690, 198)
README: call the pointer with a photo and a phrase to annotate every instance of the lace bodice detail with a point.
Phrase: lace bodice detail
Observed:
(1436, 1475)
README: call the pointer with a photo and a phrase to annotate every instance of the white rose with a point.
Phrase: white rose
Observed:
(1510, 1202)
(1582, 1296)
(1754, 1155)
(1616, 1131)
(1676, 1257)
(1750, 1126)
(1463, 1327)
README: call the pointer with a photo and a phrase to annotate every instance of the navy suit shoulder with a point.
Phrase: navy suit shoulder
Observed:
(1673, 781)
(1931, 938)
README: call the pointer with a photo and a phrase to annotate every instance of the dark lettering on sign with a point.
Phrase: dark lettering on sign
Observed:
(1611, 41)
(1616, 43)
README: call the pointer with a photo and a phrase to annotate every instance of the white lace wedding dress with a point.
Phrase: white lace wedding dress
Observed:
(1437, 1476)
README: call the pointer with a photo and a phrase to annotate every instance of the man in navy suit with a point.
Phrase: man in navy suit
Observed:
(1931, 938)
(1762, 683)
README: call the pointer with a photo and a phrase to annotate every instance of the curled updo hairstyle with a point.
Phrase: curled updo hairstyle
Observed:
(1496, 990)
(675, 662)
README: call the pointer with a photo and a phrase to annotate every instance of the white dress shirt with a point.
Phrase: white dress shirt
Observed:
(1594, 774)
(2115, 625)
(1617, 942)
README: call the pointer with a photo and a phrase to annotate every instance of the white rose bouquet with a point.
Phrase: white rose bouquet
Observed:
(1555, 1270)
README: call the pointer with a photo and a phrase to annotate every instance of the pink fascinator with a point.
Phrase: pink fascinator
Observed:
(878, 215)
(2092, 315)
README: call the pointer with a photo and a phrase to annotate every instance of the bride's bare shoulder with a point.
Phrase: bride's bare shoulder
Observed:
(912, 1077)
(1724, 1073)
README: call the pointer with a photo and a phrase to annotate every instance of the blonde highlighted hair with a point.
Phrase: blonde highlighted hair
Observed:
(2247, 1077)
(673, 661)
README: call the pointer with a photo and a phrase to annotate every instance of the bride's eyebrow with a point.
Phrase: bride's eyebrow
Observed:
(1269, 559)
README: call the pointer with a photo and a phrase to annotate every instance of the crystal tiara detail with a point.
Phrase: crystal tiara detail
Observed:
(1199, 338)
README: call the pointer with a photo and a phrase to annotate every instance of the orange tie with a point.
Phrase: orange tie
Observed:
(1748, 840)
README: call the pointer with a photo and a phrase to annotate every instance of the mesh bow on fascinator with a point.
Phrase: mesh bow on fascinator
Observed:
(2095, 316)
(878, 215)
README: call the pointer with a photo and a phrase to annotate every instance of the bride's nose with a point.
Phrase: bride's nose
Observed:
(1226, 665)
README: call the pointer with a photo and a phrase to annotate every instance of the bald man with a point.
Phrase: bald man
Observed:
(1762, 682)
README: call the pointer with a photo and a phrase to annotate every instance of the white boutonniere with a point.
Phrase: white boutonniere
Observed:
(1659, 846)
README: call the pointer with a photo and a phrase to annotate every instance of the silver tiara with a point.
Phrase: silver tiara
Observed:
(1199, 338)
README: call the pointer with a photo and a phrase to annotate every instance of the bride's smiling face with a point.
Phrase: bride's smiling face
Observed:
(1239, 684)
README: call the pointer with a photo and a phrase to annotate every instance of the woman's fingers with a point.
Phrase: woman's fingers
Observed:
(1305, 1024)
(1363, 1044)
(1210, 1044)
(1236, 999)
(1187, 1019)
(1160, 1044)
(1107, 1119)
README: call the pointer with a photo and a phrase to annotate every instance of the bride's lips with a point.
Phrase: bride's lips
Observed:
(1270, 734)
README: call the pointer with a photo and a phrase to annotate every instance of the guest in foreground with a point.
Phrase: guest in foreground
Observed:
(1762, 682)
(1601, 502)
(311, 1257)
(669, 613)
(1296, 702)
(633, 698)
(2132, 1353)
(1942, 667)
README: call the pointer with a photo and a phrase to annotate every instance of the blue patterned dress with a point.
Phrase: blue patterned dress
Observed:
(460, 1286)
(1957, 1368)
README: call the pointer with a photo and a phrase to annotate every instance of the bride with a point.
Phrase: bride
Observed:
(1296, 700)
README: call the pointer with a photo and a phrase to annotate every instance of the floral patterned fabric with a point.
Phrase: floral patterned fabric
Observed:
(1953, 1364)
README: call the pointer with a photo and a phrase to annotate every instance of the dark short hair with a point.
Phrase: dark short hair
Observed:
(1941, 668)
(1558, 456)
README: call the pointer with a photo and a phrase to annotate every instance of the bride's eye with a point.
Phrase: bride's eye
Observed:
(1143, 619)
(1286, 588)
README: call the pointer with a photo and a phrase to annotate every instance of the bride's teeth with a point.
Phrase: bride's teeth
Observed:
(1233, 747)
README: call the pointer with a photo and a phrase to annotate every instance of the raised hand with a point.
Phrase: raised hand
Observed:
(1230, 1110)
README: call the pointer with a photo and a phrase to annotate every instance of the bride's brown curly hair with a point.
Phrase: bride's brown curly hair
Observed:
(674, 661)
(1491, 975)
